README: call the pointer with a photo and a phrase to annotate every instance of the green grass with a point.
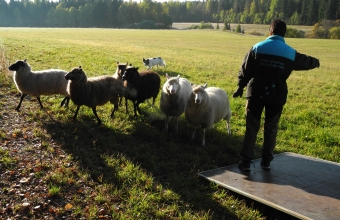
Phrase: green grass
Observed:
(137, 171)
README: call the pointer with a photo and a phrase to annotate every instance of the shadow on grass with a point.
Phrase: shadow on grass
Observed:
(172, 160)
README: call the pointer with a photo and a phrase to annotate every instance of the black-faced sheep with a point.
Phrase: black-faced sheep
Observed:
(37, 83)
(95, 91)
(147, 83)
(206, 107)
(174, 96)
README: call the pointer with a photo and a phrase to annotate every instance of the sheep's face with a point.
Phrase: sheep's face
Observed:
(17, 65)
(76, 73)
(198, 94)
(121, 68)
(130, 73)
(172, 85)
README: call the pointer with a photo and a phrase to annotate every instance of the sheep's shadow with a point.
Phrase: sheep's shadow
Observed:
(171, 159)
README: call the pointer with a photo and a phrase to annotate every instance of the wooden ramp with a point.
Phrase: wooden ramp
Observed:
(301, 186)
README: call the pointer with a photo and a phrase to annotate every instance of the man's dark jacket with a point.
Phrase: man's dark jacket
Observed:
(267, 66)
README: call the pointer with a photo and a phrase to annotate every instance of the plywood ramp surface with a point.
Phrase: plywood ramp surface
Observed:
(301, 186)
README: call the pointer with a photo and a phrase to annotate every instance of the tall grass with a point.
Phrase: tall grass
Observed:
(140, 171)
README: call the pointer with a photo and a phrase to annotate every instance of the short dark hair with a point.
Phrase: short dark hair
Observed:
(278, 27)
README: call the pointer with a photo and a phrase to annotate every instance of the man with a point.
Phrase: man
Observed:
(264, 71)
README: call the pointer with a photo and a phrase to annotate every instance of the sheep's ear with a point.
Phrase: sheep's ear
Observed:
(167, 76)
(137, 68)
(130, 64)
(25, 60)
(205, 85)
(117, 62)
(79, 67)
(178, 76)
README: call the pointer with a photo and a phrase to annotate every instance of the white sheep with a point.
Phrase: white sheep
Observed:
(206, 107)
(95, 91)
(174, 96)
(37, 83)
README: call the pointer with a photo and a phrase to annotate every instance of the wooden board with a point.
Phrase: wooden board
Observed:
(301, 186)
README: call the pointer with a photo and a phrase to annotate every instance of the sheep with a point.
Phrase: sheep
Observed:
(120, 70)
(150, 62)
(174, 96)
(146, 83)
(118, 75)
(37, 83)
(95, 91)
(207, 106)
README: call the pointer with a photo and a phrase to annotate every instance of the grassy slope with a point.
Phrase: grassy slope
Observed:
(152, 174)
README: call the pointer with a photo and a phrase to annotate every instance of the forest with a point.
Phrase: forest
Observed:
(123, 14)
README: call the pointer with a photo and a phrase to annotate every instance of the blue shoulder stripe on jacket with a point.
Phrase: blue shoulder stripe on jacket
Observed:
(278, 42)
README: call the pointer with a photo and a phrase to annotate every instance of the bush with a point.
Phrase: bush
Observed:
(256, 33)
(146, 24)
(334, 33)
(238, 28)
(202, 25)
(294, 33)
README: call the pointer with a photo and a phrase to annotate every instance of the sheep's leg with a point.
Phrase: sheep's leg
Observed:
(115, 108)
(176, 128)
(120, 100)
(193, 135)
(75, 115)
(65, 101)
(126, 106)
(95, 113)
(21, 98)
(40, 102)
(203, 137)
(167, 118)
(228, 126)
(136, 107)
(153, 100)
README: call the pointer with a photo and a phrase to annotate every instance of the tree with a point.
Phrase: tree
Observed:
(85, 15)
(272, 13)
(294, 20)
(72, 17)
(167, 21)
(18, 17)
(238, 28)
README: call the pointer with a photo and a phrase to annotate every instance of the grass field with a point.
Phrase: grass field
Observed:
(128, 168)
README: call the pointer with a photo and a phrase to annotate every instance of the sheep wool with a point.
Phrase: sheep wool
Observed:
(95, 91)
(206, 107)
(37, 83)
(174, 96)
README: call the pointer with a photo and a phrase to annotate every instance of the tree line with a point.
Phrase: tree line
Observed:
(122, 14)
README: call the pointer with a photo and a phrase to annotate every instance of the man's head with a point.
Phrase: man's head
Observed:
(278, 27)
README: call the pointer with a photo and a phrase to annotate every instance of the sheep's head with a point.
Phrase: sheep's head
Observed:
(130, 73)
(76, 73)
(198, 93)
(18, 65)
(121, 68)
(172, 84)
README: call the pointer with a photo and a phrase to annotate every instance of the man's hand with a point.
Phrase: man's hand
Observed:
(238, 92)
